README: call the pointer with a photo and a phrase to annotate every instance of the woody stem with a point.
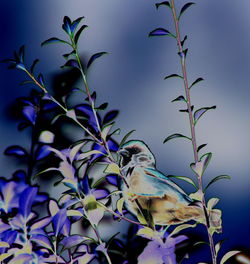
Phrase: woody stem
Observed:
(192, 125)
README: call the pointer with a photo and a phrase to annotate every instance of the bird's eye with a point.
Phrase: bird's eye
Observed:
(134, 151)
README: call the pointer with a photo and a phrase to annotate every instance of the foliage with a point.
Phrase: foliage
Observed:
(36, 228)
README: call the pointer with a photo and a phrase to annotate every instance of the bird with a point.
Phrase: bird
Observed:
(163, 199)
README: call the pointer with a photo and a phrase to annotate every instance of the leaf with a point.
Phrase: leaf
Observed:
(195, 82)
(147, 232)
(26, 201)
(5, 256)
(123, 141)
(40, 79)
(16, 151)
(160, 32)
(41, 223)
(184, 178)
(228, 255)
(42, 241)
(105, 130)
(102, 106)
(119, 205)
(212, 202)
(166, 3)
(200, 167)
(112, 179)
(42, 152)
(54, 40)
(196, 196)
(71, 63)
(75, 24)
(184, 8)
(73, 240)
(111, 115)
(78, 33)
(173, 136)
(30, 113)
(200, 147)
(4, 244)
(186, 110)
(112, 168)
(100, 193)
(74, 213)
(94, 57)
(198, 113)
(218, 246)
(173, 76)
(217, 178)
(184, 40)
(88, 154)
(46, 137)
(182, 227)
(179, 98)
(33, 65)
(59, 220)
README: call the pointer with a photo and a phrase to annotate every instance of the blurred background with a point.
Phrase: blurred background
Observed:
(131, 77)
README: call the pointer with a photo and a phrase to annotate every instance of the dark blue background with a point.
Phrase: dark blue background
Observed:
(131, 79)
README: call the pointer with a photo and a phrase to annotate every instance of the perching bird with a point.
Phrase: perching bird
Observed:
(167, 203)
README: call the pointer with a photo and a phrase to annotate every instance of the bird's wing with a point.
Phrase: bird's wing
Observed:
(160, 185)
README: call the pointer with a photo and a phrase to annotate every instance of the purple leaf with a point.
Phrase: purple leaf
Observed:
(42, 152)
(75, 24)
(71, 63)
(72, 241)
(16, 151)
(30, 113)
(166, 3)
(198, 113)
(184, 8)
(100, 193)
(113, 146)
(26, 200)
(40, 79)
(59, 220)
(22, 259)
(41, 223)
(160, 32)
(42, 241)
(110, 116)
(112, 179)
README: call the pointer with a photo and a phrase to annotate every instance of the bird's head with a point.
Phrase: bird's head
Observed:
(136, 152)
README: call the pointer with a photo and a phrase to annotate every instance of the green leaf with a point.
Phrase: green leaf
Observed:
(74, 213)
(182, 227)
(123, 141)
(228, 255)
(198, 113)
(184, 178)
(54, 40)
(184, 8)
(173, 76)
(165, 3)
(217, 178)
(195, 82)
(173, 136)
(179, 98)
